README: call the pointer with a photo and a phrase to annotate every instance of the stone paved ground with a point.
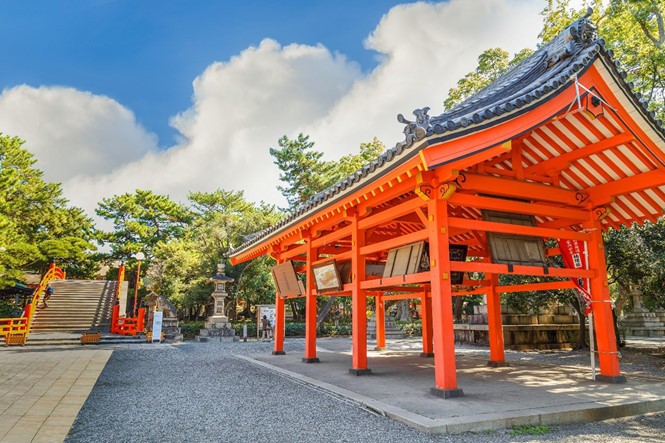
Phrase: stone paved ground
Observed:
(201, 392)
(43, 389)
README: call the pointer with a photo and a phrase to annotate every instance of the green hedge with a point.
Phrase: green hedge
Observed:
(190, 329)
(251, 328)
(411, 328)
(297, 329)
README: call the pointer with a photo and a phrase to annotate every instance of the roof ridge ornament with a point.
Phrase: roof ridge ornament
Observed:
(571, 40)
(416, 130)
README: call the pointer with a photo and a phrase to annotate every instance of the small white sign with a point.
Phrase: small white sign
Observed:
(157, 326)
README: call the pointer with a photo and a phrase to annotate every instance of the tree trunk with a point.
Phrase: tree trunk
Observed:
(404, 312)
(458, 308)
(581, 336)
(294, 309)
(325, 311)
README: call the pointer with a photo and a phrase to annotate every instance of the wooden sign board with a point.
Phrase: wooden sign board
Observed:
(457, 253)
(408, 259)
(286, 280)
(414, 258)
(514, 248)
(344, 270)
(326, 277)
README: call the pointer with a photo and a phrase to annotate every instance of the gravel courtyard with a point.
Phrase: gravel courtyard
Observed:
(201, 392)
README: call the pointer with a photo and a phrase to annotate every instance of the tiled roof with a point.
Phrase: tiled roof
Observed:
(541, 76)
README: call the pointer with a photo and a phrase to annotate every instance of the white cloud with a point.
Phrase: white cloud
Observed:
(73, 133)
(242, 106)
(425, 49)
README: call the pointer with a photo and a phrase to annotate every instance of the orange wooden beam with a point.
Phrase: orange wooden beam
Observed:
(516, 189)
(461, 153)
(394, 242)
(480, 225)
(497, 204)
(392, 213)
(604, 194)
(476, 291)
(496, 268)
(421, 277)
(402, 296)
(593, 76)
(544, 286)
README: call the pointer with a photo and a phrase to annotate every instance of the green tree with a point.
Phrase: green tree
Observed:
(305, 172)
(491, 64)
(349, 164)
(633, 29)
(140, 221)
(220, 220)
(36, 223)
(635, 261)
(301, 168)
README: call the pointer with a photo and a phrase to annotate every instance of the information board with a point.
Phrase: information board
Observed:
(157, 326)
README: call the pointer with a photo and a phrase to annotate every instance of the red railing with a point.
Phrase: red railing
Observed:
(22, 324)
(13, 326)
(53, 273)
(125, 325)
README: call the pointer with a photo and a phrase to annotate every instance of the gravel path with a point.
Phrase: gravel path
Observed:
(201, 392)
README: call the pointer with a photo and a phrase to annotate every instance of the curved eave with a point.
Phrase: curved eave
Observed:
(410, 157)
(336, 199)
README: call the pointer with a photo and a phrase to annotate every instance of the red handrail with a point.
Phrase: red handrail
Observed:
(22, 324)
(53, 273)
(125, 325)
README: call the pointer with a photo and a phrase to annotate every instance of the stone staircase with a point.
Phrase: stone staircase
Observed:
(643, 323)
(77, 306)
(391, 328)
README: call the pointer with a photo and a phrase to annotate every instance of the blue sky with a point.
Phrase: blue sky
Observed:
(145, 53)
(189, 96)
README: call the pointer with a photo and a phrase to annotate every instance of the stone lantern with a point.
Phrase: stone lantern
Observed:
(219, 294)
(217, 326)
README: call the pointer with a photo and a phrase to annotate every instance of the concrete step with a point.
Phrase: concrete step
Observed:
(62, 339)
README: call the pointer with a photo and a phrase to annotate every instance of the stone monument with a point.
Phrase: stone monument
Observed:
(641, 322)
(217, 326)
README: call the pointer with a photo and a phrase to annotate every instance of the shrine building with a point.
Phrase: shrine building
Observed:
(558, 148)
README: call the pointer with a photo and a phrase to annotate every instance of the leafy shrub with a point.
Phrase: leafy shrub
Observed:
(295, 329)
(191, 329)
(529, 430)
(329, 329)
(251, 328)
(411, 328)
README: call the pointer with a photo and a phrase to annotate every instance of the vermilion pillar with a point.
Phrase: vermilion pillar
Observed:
(497, 356)
(310, 308)
(358, 302)
(608, 356)
(380, 323)
(426, 322)
(280, 314)
(442, 308)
